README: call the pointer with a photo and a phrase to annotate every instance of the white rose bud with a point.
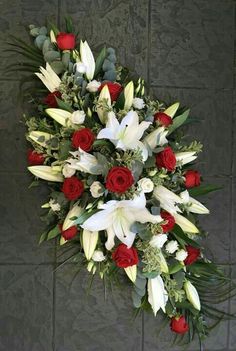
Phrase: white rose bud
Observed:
(181, 255)
(68, 171)
(96, 189)
(146, 185)
(93, 86)
(158, 240)
(98, 256)
(138, 103)
(80, 67)
(78, 117)
(172, 246)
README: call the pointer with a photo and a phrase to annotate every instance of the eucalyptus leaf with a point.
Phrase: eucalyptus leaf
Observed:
(51, 56)
(99, 62)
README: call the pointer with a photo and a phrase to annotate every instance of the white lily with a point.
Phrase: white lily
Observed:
(40, 137)
(131, 272)
(87, 59)
(192, 295)
(171, 110)
(60, 116)
(156, 138)
(185, 224)
(163, 263)
(49, 78)
(157, 294)
(104, 95)
(74, 212)
(185, 157)
(129, 95)
(192, 204)
(168, 200)
(117, 217)
(127, 134)
(46, 173)
(84, 162)
(89, 240)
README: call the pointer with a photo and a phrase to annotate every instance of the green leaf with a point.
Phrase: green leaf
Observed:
(64, 106)
(175, 268)
(182, 237)
(43, 237)
(69, 24)
(53, 232)
(99, 61)
(178, 121)
(150, 275)
(64, 149)
(203, 189)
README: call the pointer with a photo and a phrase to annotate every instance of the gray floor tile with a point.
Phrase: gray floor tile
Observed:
(88, 322)
(26, 308)
(192, 43)
(21, 226)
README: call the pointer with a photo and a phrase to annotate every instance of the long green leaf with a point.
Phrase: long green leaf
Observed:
(203, 189)
(178, 121)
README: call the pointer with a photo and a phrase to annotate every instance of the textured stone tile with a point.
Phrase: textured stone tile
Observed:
(86, 321)
(26, 308)
(232, 335)
(14, 20)
(192, 43)
(120, 24)
(213, 109)
(21, 225)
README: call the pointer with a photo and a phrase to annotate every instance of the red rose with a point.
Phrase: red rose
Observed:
(66, 41)
(72, 188)
(193, 254)
(69, 233)
(124, 256)
(166, 159)
(50, 99)
(170, 221)
(192, 178)
(179, 325)
(119, 179)
(163, 119)
(35, 158)
(83, 138)
(114, 89)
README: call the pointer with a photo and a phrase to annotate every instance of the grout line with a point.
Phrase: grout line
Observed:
(58, 13)
(233, 125)
(27, 264)
(149, 45)
(191, 87)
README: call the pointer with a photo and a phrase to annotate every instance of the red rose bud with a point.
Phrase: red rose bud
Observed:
(119, 179)
(179, 325)
(166, 159)
(65, 41)
(170, 221)
(192, 178)
(193, 254)
(83, 138)
(125, 257)
(114, 89)
(72, 188)
(50, 99)
(69, 233)
(163, 119)
(35, 158)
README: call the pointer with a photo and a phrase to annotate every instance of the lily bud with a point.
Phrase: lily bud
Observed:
(46, 173)
(89, 240)
(87, 59)
(104, 95)
(60, 116)
(74, 212)
(192, 295)
(171, 110)
(131, 272)
(129, 95)
(40, 137)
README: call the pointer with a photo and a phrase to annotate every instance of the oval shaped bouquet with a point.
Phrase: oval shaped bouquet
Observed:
(122, 179)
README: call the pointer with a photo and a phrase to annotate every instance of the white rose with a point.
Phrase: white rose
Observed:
(172, 246)
(158, 240)
(78, 117)
(146, 185)
(68, 171)
(98, 256)
(80, 67)
(138, 103)
(181, 255)
(54, 205)
(93, 86)
(96, 189)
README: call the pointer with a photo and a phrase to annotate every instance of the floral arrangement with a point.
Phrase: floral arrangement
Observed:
(122, 179)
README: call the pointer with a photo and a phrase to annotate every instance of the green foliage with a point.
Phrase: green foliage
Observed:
(178, 121)
(203, 190)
